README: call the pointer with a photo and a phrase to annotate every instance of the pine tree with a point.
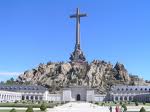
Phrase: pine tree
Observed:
(43, 107)
(142, 109)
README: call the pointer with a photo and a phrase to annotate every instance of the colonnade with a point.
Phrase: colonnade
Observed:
(32, 97)
(6, 96)
(123, 98)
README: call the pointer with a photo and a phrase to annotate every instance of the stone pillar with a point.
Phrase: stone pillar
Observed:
(127, 98)
(123, 98)
(33, 98)
(114, 98)
(38, 98)
(118, 98)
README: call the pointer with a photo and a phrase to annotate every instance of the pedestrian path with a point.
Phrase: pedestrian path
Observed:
(79, 107)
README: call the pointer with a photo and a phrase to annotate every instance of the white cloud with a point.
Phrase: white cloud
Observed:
(10, 73)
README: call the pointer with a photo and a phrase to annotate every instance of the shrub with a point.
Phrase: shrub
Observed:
(62, 103)
(13, 110)
(115, 102)
(144, 103)
(136, 103)
(103, 104)
(124, 107)
(96, 103)
(16, 101)
(30, 109)
(43, 107)
(142, 110)
(23, 101)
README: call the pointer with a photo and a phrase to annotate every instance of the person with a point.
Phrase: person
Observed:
(117, 109)
(110, 108)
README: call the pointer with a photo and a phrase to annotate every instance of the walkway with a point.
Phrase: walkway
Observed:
(79, 107)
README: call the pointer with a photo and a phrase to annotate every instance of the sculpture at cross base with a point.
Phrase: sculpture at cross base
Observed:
(77, 55)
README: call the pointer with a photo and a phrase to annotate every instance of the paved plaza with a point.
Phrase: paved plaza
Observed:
(79, 107)
(88, 107)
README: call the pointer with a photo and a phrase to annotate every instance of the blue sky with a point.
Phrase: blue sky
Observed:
(38, 31)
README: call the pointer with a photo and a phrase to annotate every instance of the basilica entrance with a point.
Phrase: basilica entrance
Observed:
(78, 97)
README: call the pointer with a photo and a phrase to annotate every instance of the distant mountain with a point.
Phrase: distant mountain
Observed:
(98, 74)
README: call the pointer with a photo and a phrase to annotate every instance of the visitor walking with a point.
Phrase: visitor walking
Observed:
(117, 109)
(110, 108)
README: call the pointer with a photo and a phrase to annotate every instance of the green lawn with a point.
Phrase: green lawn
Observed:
(19, 110)
(34, 105)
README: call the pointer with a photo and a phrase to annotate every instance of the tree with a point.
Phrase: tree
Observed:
(30, 109)
(124, 107)
(142, 110)
(144, 103)
(11, 81)
(103, 104)
(43, 107)
(13, 110)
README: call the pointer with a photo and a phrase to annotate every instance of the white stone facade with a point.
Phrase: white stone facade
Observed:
(117, 93)
(130, 93)
(7, 96)
(81, 94)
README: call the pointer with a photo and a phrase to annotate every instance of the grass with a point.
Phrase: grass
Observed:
(19, 110)
(34, 105)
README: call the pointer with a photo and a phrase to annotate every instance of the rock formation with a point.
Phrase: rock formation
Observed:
(97, 74)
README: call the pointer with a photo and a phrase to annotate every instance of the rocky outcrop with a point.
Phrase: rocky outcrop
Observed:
(97, 74)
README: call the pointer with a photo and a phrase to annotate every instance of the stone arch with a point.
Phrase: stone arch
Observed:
(121, 98)
(78, 98)
(125, 98)
(130, 98)
(31, 97)
(116, 98)
(41, 98)
(27, 97)
(36, 97)
(23, 98)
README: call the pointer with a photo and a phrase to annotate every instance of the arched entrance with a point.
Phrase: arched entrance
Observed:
(78, 97)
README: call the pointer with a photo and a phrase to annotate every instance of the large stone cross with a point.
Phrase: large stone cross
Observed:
(77, 16)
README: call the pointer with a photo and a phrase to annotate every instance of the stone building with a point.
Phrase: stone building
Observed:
(22, 92)
(130, 93)
(78, 93)
(14, 93)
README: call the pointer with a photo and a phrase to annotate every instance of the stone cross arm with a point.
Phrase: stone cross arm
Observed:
(80, 15)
